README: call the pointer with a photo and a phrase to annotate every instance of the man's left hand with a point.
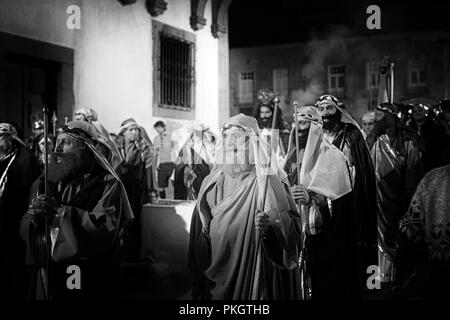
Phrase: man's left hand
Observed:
(262, 222)
(43, 207)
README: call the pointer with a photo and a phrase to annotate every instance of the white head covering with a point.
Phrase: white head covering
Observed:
(324, 168)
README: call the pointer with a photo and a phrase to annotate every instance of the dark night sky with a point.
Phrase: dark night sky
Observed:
(264, 22)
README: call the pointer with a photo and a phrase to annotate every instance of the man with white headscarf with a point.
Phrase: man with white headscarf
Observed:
(18, 170)
(87, 208)
(352, 236)
(226, 259)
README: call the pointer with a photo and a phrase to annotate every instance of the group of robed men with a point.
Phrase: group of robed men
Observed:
(304, 227)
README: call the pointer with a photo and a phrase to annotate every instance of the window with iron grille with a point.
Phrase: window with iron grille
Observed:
(174, 83)
(336, 78)
(417, 73)
(176, 72)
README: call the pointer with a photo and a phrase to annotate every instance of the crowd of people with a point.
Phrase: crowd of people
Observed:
(282, 211)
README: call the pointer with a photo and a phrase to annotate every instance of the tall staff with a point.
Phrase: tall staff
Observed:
(45, 268)
(302, 260)
(257, 269)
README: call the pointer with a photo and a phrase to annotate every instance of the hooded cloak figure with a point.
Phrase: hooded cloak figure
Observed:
(397, 157)
(87, 208)
(18, 170)
(106, 143)
(348, 245)
(137, 172)
(196, 161)
(226, 259)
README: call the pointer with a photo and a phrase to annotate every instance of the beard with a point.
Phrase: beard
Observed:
(265, 123)
(63, 167)
(303, 138)
(333, 120)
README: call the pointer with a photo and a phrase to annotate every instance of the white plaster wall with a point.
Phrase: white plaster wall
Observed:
(43, 20)
(113, 55)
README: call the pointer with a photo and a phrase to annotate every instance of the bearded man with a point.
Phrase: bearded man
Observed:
(318, 174)
(354, 215)
(18, 170)
(397, 157)
(264, 113)
(226, 259)
(86, 207)
(107, 145)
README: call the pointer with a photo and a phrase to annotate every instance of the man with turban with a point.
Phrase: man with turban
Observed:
(86, 207)
(352, 233)
(18, 170)
(243, 240)
(397, 157)
(106, 144)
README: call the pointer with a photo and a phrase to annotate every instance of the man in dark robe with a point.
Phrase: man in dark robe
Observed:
(226, 259)
(347, 244)
(397, 157)
(18, 170)
(107, 145)
(195, 165)
(136, 172)
(86, 208)
(318, 173)
(431, 134)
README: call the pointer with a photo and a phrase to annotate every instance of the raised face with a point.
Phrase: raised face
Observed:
(234, 139)
(326, 111)
(132, 133)
(67, 144)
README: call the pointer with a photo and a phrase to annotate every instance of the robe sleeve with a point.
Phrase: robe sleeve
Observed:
(414, 169)
(283, 238)
(80, 233)
(199, 257)
(412, 226)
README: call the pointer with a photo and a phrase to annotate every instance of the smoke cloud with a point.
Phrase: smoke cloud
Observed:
(314, 72)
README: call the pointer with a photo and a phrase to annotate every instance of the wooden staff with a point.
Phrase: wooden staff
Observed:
(302, 262)
(54, 120)
(257, 268)
(45, 268)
